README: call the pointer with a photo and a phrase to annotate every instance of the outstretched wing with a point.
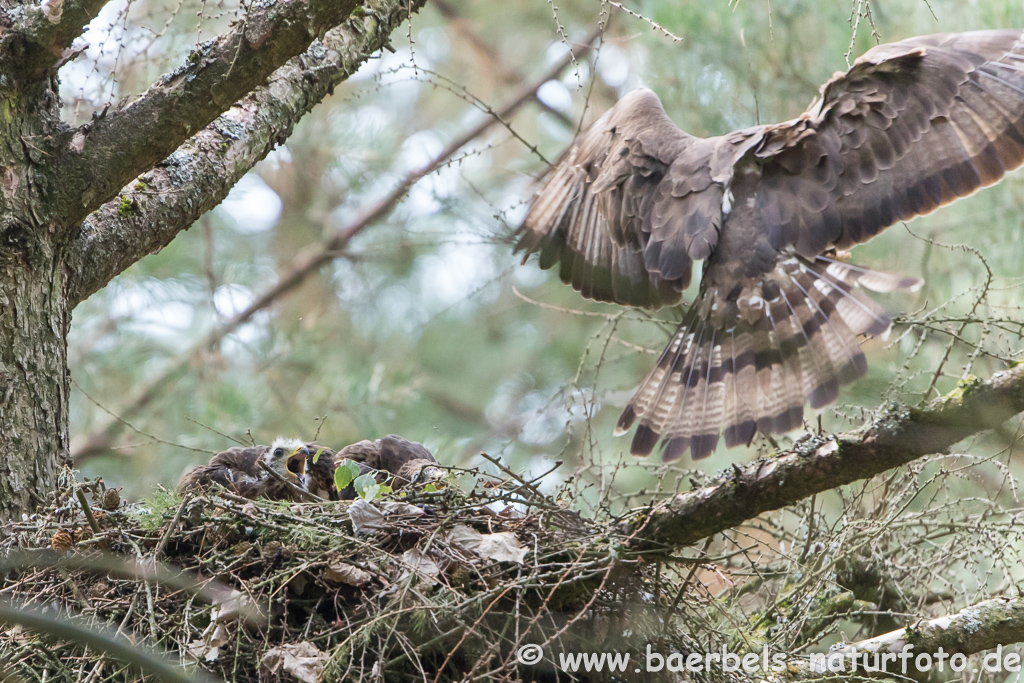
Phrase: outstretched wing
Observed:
(911, 126)
(628, 207)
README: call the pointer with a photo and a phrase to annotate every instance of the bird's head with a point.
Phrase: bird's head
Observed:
(287, 457)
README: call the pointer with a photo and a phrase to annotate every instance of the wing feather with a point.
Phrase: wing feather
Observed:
(628, 207)
(912, 126)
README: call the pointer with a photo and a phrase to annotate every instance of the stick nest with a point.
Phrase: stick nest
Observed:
(439, 585)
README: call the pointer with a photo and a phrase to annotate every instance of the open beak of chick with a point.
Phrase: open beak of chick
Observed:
(296, 463)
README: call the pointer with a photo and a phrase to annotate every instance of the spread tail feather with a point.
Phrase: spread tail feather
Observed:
(748, 361)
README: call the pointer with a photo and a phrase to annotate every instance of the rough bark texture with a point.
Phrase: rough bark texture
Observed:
(94, 162)
(34, 313)
(34, 42)
(896, 438)
(147, 214)
(974, 629)
(54, 176)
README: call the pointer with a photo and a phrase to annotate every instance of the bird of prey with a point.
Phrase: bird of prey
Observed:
(239, 470)
(408, 462)
(320, 474)
(635, 201)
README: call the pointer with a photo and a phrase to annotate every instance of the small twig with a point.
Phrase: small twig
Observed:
(527, 485)
(87, 510)
(810, 530)
(170, 530)
(218, 433)
(303, 493)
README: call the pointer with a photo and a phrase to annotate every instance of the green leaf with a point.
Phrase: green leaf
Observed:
(345, 473)
(429, 488)
(363, 485)
(316, 456)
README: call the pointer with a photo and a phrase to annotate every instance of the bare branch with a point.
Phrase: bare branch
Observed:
(91, 164)
(495, 64)
(899, 436)
(309, 260)
(973, 629)
(146, 217)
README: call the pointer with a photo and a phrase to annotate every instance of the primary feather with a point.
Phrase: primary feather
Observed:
(635, 201)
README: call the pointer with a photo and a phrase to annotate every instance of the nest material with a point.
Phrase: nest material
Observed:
(441, 585)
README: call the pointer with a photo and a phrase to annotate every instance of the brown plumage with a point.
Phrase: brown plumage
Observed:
(238, 470)
(321, 472)
(407, 462)
(911, 126)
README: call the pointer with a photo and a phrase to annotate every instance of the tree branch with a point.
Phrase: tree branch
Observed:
(899, 436)
(494, 63)
(37, 36)
(303, 265)
(146, 217)
(973, 629)
(91, 164)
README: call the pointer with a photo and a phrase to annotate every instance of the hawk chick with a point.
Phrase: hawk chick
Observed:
(408, 462)
(239, 470)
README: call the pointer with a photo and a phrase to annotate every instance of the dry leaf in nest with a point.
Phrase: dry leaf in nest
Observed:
(298, 583)
(209, 649)
(228, 607)
(302, 660)
(340, 572)
(415, 561)
(62, 541)
(500, 547)
(365, 517)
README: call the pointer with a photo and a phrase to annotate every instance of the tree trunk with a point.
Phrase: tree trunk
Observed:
(34, 309)
(64, 228)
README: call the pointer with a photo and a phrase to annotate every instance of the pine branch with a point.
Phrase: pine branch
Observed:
(35, 40)
(91, 164)
(897, 437)
(305, 263)
(198, 176)
(974, 629)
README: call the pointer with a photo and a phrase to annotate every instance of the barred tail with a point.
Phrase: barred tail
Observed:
(748, 363)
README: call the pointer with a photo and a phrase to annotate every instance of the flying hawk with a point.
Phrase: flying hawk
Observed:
(239, 470)
(635, 201)
(408, 462)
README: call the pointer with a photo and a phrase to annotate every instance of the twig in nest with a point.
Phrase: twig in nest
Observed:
(527, 485)
(170, 529)
(303, 493)
(88, 511)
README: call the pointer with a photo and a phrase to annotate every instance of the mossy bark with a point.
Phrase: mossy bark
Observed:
(34, 310)
(73, 216)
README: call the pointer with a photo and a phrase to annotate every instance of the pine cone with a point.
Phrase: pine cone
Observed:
(62, 541)
(82, 533)
(111, 499)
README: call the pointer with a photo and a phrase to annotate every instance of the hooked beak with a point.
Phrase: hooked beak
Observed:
(296, 463)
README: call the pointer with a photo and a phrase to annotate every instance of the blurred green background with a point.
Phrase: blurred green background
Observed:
(426, 325)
